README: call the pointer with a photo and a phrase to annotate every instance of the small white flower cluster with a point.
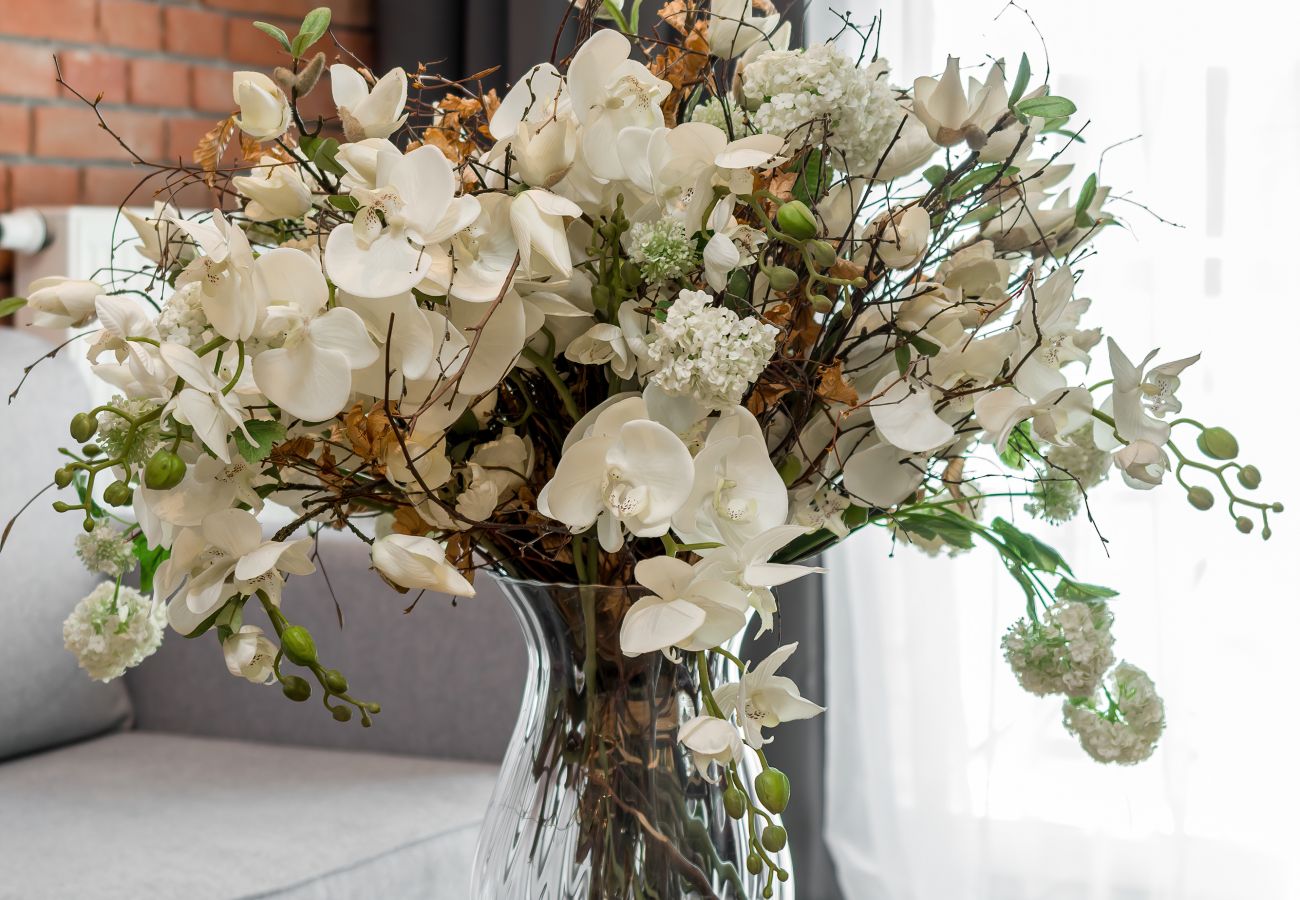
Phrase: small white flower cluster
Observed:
(1074, 468)
(1127, 730)
(708, 351)
(113, 629)
(711, 112)
(113, 430)
(663, 249)
(106, 550)
(1066, 652)
(819, 94)
(182, 320)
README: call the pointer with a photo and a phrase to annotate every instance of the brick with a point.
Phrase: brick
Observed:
(119, 185)
(193, 32)
(91, 73)
(57, 20)
(15, 129)
(4, 187)
(213, 89)
(160, 82)
(130, 23)
(183, 136)
(28, 71)
(250, 47)
(74, 133)
(42, 185)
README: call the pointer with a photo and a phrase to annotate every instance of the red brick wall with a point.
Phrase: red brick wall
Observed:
(163, 68)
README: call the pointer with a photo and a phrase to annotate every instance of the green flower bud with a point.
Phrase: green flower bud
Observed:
(782, 278)
(163, 471)
(92, 450)
(797, 220)
(118, 493)
(821, 303)
(773, 789)
(733, 798)
(88, 524)
(341, 713)
(1266, 533)
(1200, 497)
(1277, 507)
(295, 688)
(774, 838)
(1249, 477)
(371, 707)
(61, 507)
(1245, 525)
(1217, 443)
(782, 875)
(63, 476)
(335, 681)
(822, 253)
(754, 864)
(768, 893)
(83, 427)
(298, 646)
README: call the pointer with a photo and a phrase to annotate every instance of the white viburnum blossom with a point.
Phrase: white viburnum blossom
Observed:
(1066, 652)
(182, 320)
(711, 112)
(1073, 468)
(1127, 729)
(663, 249)
(819, 94)
(113, 629)
(105, 550)
(708, 352)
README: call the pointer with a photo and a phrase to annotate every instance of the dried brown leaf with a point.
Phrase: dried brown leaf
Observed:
(832, 387)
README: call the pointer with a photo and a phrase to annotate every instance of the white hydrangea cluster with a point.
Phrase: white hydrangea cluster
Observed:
(106, 550)
(819, 94)
(182, 320)
(1127, 731)
(1075, 467)
(711, 112)
(113, 629)
(663, 249)
(114, 430)
(1066, 652)
(708, 351)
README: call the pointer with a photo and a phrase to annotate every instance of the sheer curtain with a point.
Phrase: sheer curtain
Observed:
(945, 780)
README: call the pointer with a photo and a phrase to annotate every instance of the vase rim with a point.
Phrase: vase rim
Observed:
(533, 582)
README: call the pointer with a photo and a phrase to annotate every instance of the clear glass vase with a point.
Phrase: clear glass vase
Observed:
(596, 799)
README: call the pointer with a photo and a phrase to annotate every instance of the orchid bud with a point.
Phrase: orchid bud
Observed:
(821, 303)
(63, 476)
(1217, 443)
(334, 681)
(298, 646)
(1245, 525)
(1200, 498)
(88, 524)
(754, 864)
(92, 450)
(60, 506)
(822, 253)
(83, 427)
(797, 220)
(774, 838)
(1249, 477)
(1277, 507)
(163, 471)
(782, 278)
(295, 688)
(773, 789)
(118, 493)
(341, 713)
(734, 800)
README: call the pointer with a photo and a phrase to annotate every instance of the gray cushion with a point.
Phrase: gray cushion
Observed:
(449, 677)
(142, 815)
(47, 700)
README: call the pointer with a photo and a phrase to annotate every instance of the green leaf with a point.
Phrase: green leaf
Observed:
(323, 155)
(278, 33)
(1022, 81)
(1046, 107)
(1020, 445)
(813, 180)
(11, 305)
(935, 174)
(924, 347)
(150, 559)
(978, 178)
(1029, 549)
(345, 202)
(902, 356)
(314, 26)
(981, 215)
(1082, 218)
(1068, 589)
(267, 433)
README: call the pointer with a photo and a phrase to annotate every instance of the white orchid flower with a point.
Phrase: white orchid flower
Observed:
(203, 403)
(264, 112)
(139, 371)
(534, 98)
(733, 28)
(904, 236)
(1029, 222)
(749, 567)
(388, 248)
(159, 236)
(368, 112)
(210, 485)
(952, 115)
(249, 654)
(226, 556)
(225, 272)
(418, 562)
(609, 93)
(360, 161)
(879, 474)
(1056, 415)
(721, 258)
(1140, 399)
(60, 302)
(537, 221)
(763, 699)
(309, 375)
(601, 344)
(736, 494)
(1142, 463)
(710, 740)
(683, 612)
(903, 409)
(275, 190)
(629, 473)
(1048, 327)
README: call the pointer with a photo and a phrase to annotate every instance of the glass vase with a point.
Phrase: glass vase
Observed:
(596, 799)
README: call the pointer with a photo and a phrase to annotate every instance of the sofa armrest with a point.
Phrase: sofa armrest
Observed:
(449, 674)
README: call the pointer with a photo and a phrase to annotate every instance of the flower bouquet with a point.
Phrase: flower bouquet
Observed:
(680, 311)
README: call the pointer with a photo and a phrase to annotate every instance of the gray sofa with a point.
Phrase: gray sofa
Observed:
(181, 781)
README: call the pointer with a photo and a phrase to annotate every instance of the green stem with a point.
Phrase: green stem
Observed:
(547, 368)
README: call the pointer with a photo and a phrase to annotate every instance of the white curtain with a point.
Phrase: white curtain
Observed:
(945, 781)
